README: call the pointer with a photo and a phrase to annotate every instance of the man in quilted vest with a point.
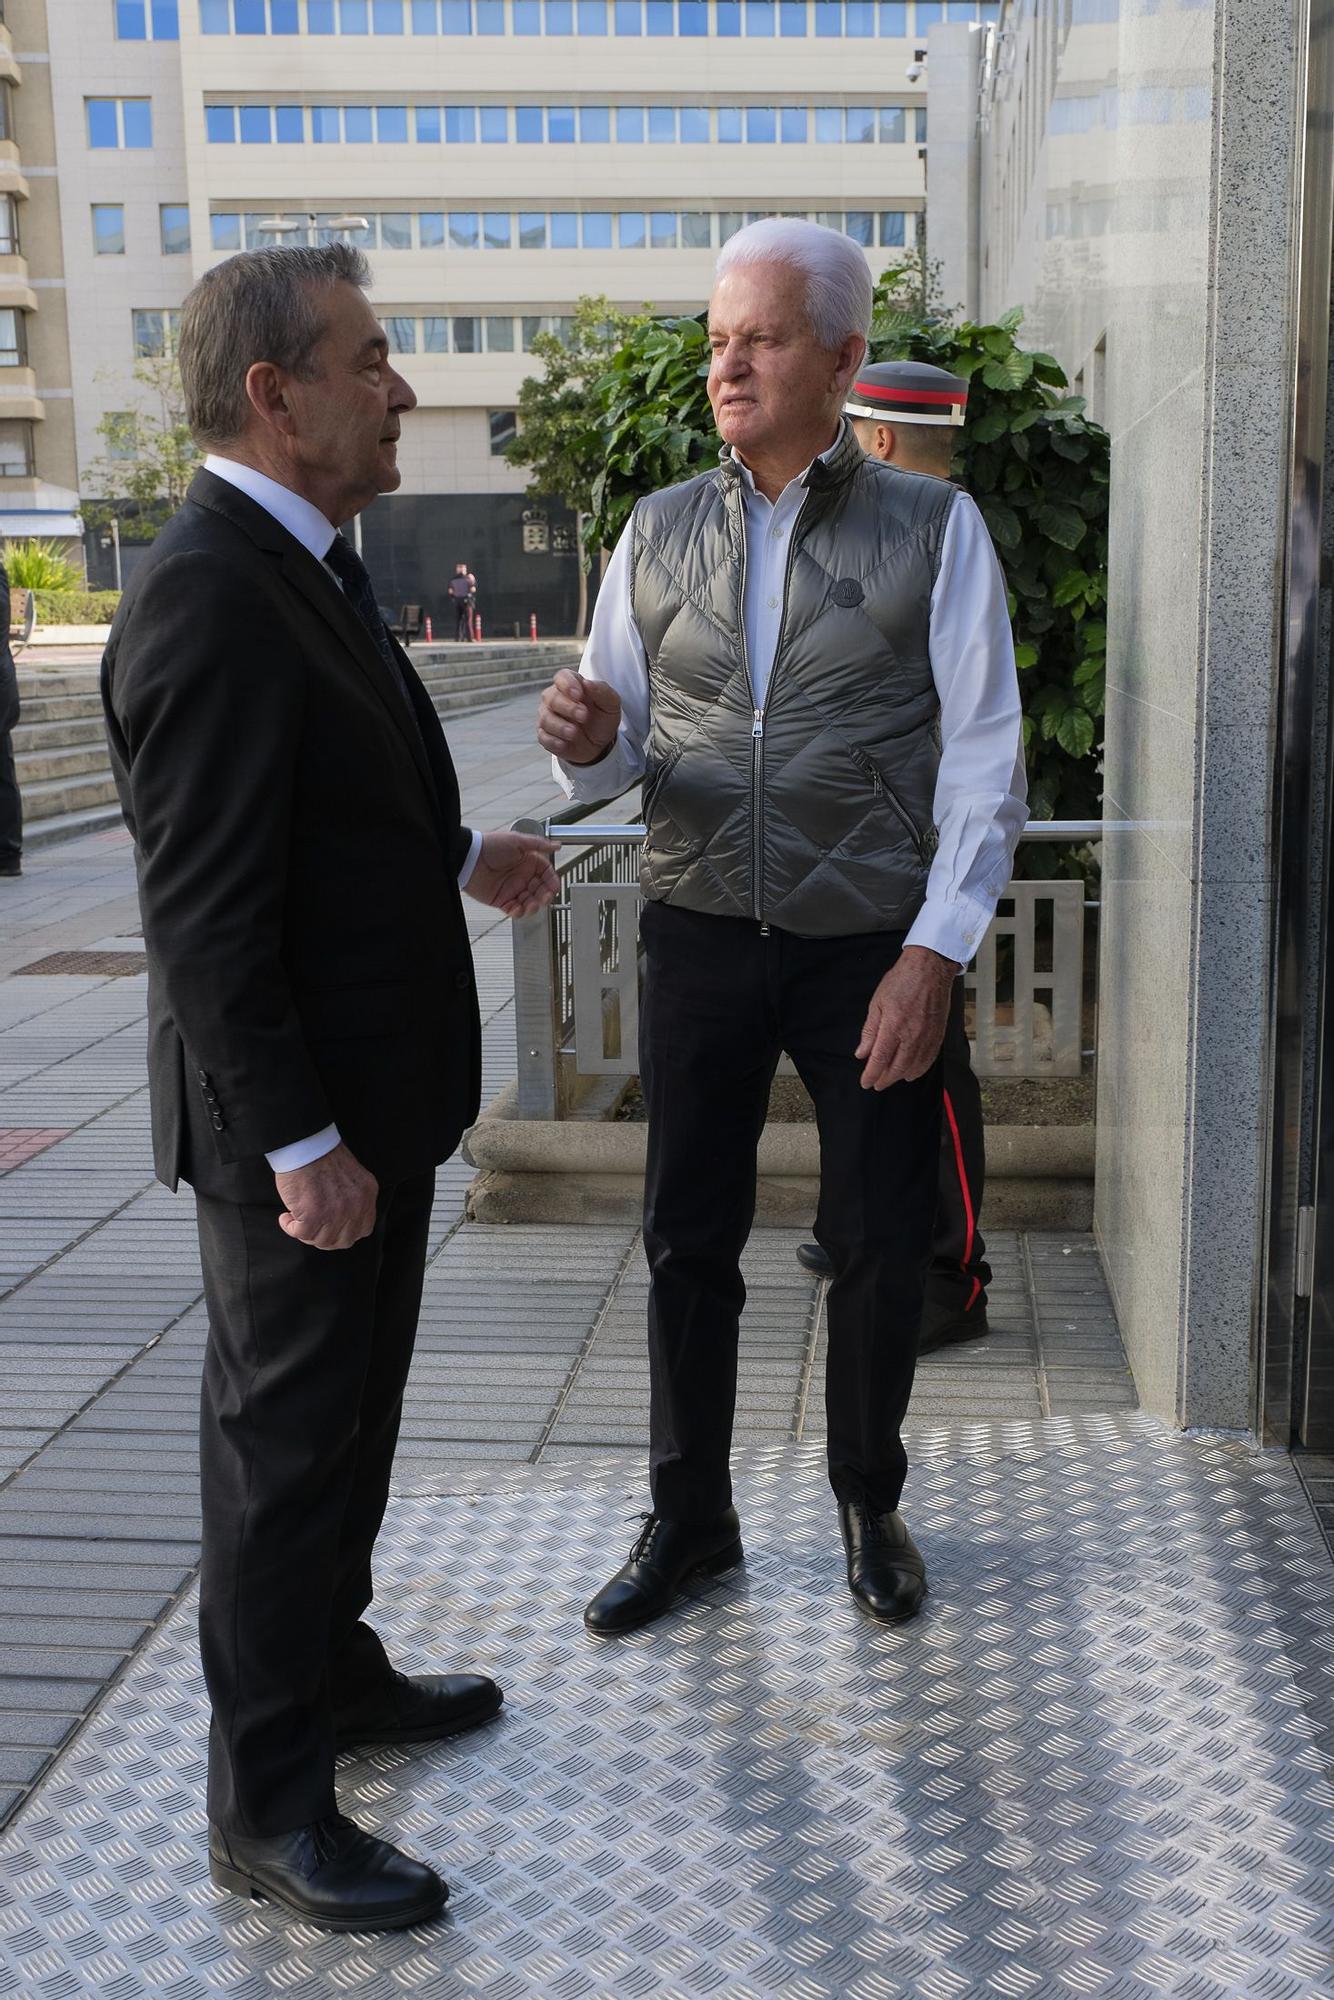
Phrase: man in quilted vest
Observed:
(805, 654)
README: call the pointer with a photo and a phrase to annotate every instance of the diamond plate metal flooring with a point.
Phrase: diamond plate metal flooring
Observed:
(1093, 1768)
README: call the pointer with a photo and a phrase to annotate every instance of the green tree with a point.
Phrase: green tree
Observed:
(1037, 467)
(150, 456)
(559, 436)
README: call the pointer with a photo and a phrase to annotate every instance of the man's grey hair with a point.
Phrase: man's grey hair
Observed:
(262, 305)
(838, 278)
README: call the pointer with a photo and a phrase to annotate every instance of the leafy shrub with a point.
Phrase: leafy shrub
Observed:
(76, 607)
(37, 565)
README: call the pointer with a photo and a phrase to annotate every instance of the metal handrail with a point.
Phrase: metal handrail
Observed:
(559, 827)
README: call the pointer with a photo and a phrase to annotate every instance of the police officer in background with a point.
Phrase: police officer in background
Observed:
(909, 414)
(11, 805)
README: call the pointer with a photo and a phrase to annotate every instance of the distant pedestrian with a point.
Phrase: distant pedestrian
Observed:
(11, 805)
(463, 596)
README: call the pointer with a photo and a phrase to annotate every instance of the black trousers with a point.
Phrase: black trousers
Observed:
(11, 805)
(308, 1353)
(462, 618)
(959, 1273)
(721, 1001)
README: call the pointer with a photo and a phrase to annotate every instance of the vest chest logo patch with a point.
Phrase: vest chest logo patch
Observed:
(847, 592)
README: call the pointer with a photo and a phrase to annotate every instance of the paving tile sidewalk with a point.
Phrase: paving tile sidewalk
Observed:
(532, 1340)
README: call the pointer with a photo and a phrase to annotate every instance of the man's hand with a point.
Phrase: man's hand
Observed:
(514, 873)
(578, 719)
(331, 1203)
(905, 1022)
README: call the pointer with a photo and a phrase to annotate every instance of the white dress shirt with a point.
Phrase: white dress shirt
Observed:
(305, 523)
(981, 792)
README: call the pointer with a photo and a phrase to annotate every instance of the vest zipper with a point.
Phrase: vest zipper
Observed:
(883, 791)
(757, 731)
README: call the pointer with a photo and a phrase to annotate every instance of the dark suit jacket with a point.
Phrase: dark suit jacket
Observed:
(298, 844)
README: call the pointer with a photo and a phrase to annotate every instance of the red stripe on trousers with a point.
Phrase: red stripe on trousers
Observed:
(969, 1218)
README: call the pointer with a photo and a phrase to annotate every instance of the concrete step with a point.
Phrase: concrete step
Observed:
(59, 681)
(35, 767)
(502, 677)
(49, 797)
(60, 826)
(59, 735)
(59, 707)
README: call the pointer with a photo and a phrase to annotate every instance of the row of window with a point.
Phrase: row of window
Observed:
(155, 330)
(556, 124)
(861, 18)
(593, 229)
(1146, 104)
(109, 229)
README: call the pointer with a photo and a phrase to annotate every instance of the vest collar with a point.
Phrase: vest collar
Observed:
(833, 468)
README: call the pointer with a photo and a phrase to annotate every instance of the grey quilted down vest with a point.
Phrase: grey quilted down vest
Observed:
(814, 814)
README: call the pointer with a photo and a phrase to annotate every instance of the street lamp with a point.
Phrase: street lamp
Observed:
(279, 226)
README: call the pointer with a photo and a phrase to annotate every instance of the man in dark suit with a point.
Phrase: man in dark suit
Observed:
(314, 1049)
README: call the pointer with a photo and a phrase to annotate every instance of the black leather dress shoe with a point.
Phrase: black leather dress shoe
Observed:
(812, 1258)
(947, 1325)
(886, 1573)
(330, 1873)
(418, 1709)
(666, 1555)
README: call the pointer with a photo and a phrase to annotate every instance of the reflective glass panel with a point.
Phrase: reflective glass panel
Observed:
(727, 15)
(558, 17)
(828, 125)
(463, 231)
(175, 220)
(630, 124)
(435, 334)
(225, 232)
(250, 17)
(132, 21)
(256, 121)
(792, 17)
(391, 124)
(860, 226)
(729, 125)
(532, 232)
(461, 124)
(137, 118)
(219, 125)
(109, 229)
(860, 124)
(629, 17)
(357, 124)
(694, 121)
(496, 231)
(500, 335)
(560, 124)
(760, 17)
(430, 229)
(564, 232)
(594, 124)
(893, 17)
(528, 124)
(892, 232)
(693, 17)
(597, 231)
(387, 17)
(630, 230)
(829, 17)
(893, 124)
(662, 229)
(696, 230)
(324, 124)
(592, 17)
(466, 336)
(792, 122)
(427, 124)
(493, 122)
(401, 333)
(761, 124)
(289, 127)
(859, 17)
(662, 125)
(354, 17)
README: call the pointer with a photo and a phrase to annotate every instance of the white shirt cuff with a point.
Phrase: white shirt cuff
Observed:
(955, 929)
(304, 1152)
(465, 873)
(607, 779)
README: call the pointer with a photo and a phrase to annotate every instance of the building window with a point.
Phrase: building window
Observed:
(155, 329)
(122, 435)
(499, 334)
(9, 226)
(16, 452)
(401, 334)
(108, 229)
(504, 428)
(13, 338)
(225, 232)
(6, 109)
(147, 20)
(118, 122)
(174, 222)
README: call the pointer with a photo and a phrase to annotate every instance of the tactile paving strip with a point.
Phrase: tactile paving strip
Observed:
(1092, 1767)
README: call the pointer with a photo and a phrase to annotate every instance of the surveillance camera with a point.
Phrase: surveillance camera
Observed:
(914, 72)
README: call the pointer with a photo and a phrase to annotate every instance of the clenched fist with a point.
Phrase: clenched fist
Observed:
(578, 719)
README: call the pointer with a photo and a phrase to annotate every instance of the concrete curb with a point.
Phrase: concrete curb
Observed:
(592, 1170)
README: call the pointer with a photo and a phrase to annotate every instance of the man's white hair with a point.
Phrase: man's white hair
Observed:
(838, 278)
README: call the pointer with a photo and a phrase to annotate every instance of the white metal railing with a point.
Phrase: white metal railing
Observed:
(576, 969)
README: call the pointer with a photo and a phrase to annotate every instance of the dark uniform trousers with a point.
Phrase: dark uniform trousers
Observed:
(307, 1359)
(722, 999)
(959, 1273)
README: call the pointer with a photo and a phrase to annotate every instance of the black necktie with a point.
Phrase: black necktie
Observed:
(359, 591)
